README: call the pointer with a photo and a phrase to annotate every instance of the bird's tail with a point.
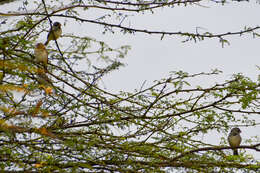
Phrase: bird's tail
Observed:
(235, 152)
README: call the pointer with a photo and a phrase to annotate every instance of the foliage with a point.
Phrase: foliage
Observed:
(76, 126)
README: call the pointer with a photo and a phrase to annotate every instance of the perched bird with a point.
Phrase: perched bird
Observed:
(41, 55)
(43, 79)
(54, 33)
(234, 139)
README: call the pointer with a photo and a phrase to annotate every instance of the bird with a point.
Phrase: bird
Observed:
(44, 82)
(234, 139)
(54, 33)
(43, 79)
(41, 55)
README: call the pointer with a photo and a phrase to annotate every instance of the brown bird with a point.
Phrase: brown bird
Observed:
(41, 55)
(234, 139)
(43, 79)
(54, 33)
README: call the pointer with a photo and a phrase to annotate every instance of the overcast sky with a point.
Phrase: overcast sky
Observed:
(152, 58)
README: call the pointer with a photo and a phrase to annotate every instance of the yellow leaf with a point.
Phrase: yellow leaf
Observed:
(48, 91)
(45, 114)
(43, 131)
(3, 124)
(38, 165)
(37, 108)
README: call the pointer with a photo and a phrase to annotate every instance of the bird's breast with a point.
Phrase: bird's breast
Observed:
(234, 141)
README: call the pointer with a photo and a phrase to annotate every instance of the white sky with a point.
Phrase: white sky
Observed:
(152, 58)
